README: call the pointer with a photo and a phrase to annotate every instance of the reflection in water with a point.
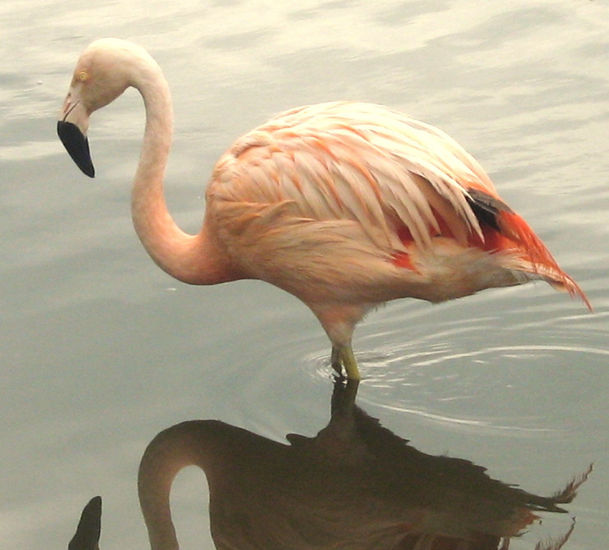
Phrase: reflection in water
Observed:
(354, 485)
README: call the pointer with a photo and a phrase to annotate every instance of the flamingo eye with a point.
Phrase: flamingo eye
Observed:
(82, 76)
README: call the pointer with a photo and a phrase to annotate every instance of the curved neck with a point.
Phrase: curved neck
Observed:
(190, 258)
(169, 452)
(190, 443)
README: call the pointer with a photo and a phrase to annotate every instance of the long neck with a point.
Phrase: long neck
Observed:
(166, 455)
(190, 258)
(190, 443)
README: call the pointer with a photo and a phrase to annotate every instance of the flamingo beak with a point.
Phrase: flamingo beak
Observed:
(77, 145)
(73, 135)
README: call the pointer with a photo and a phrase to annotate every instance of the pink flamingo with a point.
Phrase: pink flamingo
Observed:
(344, 205)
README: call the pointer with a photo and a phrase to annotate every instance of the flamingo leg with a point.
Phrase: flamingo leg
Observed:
(335, 361)
(342, 356)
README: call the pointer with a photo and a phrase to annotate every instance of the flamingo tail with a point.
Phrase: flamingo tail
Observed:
(504, 230)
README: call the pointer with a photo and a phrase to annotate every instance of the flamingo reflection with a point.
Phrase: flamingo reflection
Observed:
(355, 485)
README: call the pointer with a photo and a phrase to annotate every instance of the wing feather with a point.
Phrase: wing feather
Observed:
(358, 162)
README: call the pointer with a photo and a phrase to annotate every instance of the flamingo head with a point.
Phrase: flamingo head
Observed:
(102, 73)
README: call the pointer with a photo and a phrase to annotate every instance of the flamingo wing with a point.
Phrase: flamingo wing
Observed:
(383, 181)
(359, 162)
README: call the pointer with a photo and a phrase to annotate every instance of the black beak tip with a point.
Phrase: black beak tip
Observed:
(76, 145)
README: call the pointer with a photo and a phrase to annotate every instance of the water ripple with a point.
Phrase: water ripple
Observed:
(507, 373)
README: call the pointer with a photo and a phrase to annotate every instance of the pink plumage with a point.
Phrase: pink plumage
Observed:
(344, 205)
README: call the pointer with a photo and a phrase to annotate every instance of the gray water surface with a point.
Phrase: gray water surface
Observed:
(100, 350)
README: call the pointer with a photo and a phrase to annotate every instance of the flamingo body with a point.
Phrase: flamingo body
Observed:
(344, 205)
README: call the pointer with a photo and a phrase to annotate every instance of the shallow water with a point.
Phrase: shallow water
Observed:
(101, 350)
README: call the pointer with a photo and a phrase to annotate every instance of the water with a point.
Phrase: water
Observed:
(101, 350)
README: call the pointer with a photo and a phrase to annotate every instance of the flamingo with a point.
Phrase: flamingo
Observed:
(354, 485)
(345, 205)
